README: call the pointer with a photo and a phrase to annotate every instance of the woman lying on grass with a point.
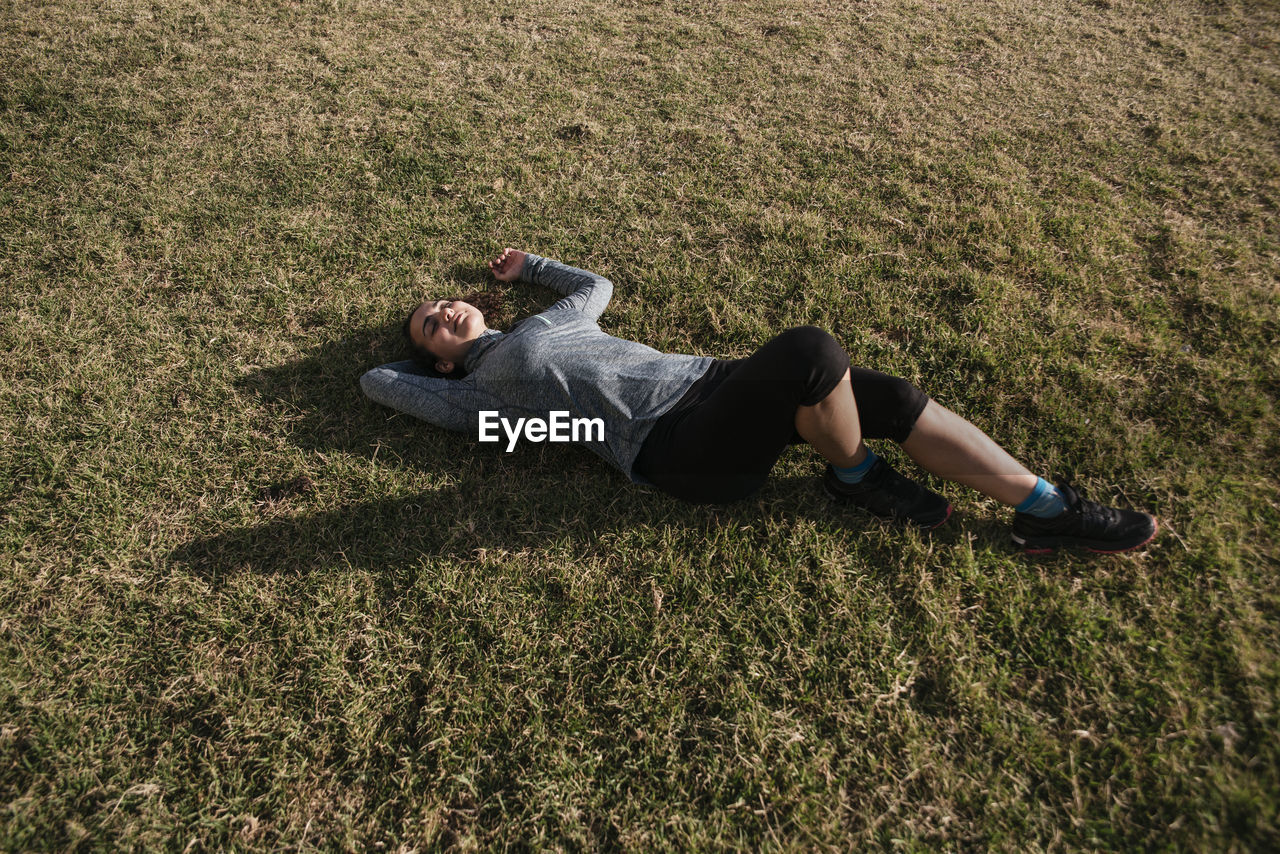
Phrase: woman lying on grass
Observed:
(709, 430)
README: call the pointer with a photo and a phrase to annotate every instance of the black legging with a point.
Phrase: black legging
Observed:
(719, 442)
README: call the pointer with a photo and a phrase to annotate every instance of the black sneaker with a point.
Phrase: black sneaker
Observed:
(1084, 524)
(889, 495)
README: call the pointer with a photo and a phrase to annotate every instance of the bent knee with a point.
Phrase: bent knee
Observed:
(820, 363)
(812, 344)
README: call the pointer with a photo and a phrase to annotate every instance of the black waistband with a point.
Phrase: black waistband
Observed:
(704, 386)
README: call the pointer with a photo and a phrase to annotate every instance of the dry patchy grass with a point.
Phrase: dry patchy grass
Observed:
(242, 607)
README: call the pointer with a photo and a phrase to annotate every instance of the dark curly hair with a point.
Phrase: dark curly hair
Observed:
(489, 303)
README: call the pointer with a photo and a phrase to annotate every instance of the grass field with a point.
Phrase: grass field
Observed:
(242, 607)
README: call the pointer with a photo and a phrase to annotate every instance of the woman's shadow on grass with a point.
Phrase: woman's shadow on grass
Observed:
(474, 498)
(477, 500)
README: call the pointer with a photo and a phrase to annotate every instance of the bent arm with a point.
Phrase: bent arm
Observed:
(451, 404)
(582, 290)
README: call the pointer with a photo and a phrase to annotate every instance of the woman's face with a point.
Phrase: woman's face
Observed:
(447, 328)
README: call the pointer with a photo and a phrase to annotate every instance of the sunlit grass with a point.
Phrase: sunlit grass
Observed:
(244, 607)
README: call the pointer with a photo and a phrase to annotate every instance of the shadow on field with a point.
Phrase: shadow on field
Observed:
(494, 507)
(498, 507)
(318, 398)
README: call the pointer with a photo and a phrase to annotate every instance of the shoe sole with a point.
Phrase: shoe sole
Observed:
(923, 526)
(937, 524)
(1044, 547)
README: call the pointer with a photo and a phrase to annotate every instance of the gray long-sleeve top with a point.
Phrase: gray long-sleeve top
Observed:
(559, 360)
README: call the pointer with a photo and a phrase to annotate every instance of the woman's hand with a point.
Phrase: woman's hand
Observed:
(507, 266)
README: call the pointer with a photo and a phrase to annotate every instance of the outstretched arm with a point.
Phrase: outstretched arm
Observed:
(451, 404)
(582, 290)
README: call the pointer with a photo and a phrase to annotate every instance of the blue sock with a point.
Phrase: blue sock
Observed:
(1044, 502)
(855, 474)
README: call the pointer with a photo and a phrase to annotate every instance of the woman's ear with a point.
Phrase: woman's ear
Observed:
(444, 367)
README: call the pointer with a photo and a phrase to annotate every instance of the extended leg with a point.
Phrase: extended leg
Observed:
(940, 441)
(952, 448)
